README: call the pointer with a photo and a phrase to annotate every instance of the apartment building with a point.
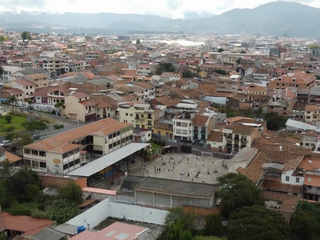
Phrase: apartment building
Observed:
(236, 137)
(40, 80)
(139, 114)
(149, 90)
(202, 126)
(93, 54)
(56, 65)
(314, 95)
(79, 107)
(26, 86)
(182, 126)
(66, 152)
(311, 113)
(228, 84)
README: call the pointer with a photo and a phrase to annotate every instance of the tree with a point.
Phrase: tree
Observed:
(12, 101)
(275, 121)
(8, 118)
(58, 126)
(71, 192)
(32, 192)
(165, 67)
(257, 222)
(7, 168)
(186, 235)
(25, 36)
(188, 74)
(138, 41)
(3, 192)
(238, 60)
(59, 105)
(35, 126)
(213, 225)
(220, 71)
(304, 226)
(177, 221)
(220, 50)
(209, 238)
(237, 191)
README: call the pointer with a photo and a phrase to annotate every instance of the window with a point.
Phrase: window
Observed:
(27, 151)
(184, 124)
(179, 124)
(43, 165)
(126, 114)
(297, 180)
(287, 178)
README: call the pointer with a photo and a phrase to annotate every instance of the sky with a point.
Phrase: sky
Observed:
(163, 8)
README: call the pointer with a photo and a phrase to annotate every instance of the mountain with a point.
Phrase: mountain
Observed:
(276, 18)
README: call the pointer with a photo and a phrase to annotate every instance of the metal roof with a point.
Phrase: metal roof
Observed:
(108, 160)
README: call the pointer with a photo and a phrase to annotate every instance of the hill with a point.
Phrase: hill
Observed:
(276, 18)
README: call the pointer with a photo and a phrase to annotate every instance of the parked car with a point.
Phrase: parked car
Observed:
(5, 143)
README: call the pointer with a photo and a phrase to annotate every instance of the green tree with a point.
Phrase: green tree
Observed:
(12, 100)
(18, 182)
(3, 192)
(177, 221)
(71, 192)
(7, 168)
(220, 50)
(304, 226)
(138, 41)
(33, 192)
(35, 126)
(8, 118)
(220, 71)
(3, 236)
(238, 60)
(188, 74)
(165, 67)
(213, 225)
(25, 36)
(257, 222)
(58, 126)
(238, 191)
(186, 235)
(275, 121)
(209, 238)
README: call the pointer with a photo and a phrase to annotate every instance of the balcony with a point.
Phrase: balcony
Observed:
(141, 119)
(312, 190)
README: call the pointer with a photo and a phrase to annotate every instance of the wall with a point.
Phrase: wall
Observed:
(292, 179)
(60, 181)
(106, 209)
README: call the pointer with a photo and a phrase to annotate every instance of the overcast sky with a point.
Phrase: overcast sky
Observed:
(164, 8)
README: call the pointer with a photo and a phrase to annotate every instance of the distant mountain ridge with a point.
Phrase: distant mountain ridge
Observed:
(275, 18)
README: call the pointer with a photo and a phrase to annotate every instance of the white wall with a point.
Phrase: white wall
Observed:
(106, 209)
(292, 179)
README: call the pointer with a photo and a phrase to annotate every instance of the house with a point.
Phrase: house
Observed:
(170, 76)
(79, 107)
(139, 114)
(35, 71)
(22, 226)
(309, 167)
(299, 127)
(149, 90)
(65, 152)
(6, 92)
(182, 126)
(163, 130)
(143, 70)
(311, 113)
(228, 84)
(26, 86)
(296, 79)
(314, 95)
(215, 141)
(10, 73)
(236, 137)
(55, 65)
(202, 127)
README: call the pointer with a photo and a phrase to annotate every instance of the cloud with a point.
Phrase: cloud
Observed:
(168, 8)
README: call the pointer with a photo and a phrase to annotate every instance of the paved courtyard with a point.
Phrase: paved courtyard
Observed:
(185, 167)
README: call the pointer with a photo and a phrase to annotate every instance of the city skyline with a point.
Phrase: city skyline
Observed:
(170, 8)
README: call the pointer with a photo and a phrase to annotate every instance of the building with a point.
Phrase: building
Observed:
(149, 90)
(236, 137)
(41, 80)
(311, 113)
(117, 230)
(139, 114)
(202, 126)
(163, 130)
(66, 152)
(228, 84)
(182, 126)
(296, 79)
(26, 86)
(55, 65)
(10, 73)
(79, 107)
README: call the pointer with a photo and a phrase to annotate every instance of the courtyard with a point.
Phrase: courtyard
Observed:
(185, 167)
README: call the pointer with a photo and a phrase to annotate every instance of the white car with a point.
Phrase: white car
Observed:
(4, 143)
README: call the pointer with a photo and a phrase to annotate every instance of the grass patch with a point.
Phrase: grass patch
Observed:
(155, 146)
(15, 122)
